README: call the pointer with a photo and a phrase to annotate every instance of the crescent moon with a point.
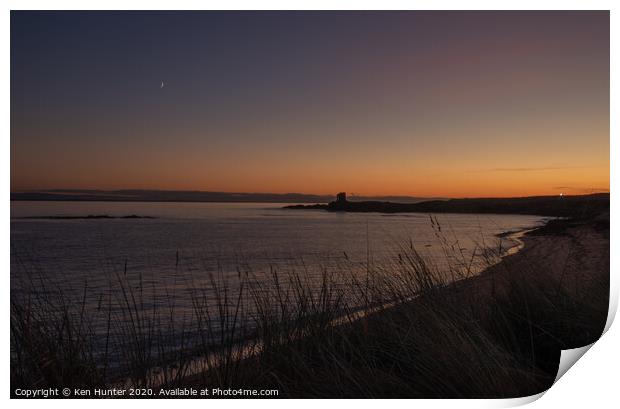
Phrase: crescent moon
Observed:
(162, 85)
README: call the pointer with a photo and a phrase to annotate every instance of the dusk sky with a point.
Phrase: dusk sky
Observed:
(450, 104)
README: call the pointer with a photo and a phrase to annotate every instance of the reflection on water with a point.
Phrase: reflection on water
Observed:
(186, 244)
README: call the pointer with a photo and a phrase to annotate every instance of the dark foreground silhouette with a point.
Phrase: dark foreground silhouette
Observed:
(496, 335)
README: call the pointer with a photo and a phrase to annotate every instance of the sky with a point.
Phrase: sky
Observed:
(435, 104)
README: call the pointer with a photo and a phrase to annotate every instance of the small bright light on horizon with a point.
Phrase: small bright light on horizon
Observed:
(561, 194)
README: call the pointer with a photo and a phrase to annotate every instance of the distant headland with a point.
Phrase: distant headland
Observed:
(88, 217)
(145, 195)
(554, 206)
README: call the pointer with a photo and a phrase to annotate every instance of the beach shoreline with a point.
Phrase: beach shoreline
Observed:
(548, 291)
(549, 260)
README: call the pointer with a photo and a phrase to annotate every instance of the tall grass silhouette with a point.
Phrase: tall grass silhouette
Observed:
(398, 329)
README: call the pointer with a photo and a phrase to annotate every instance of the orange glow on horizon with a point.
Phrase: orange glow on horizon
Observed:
(368, 182)
(426, 104)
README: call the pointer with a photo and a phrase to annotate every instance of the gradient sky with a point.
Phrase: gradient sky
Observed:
(451, 104)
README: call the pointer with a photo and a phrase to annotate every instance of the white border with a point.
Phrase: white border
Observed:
(591, 382)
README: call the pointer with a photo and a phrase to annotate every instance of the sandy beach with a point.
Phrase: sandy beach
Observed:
(498, 334)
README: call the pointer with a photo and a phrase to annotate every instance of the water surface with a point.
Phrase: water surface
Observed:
(185, 244)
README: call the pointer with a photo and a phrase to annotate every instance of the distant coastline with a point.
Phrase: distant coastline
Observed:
(140, 195)
(88, 217)
(554, 206)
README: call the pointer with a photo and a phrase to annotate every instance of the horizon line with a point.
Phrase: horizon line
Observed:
(59, 191)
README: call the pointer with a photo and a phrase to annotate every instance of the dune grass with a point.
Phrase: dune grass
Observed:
(394, 330)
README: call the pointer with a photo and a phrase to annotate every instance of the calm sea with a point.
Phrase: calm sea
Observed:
(186, 243)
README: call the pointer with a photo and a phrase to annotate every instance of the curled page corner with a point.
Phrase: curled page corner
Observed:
(515, 402)
(568, 358)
